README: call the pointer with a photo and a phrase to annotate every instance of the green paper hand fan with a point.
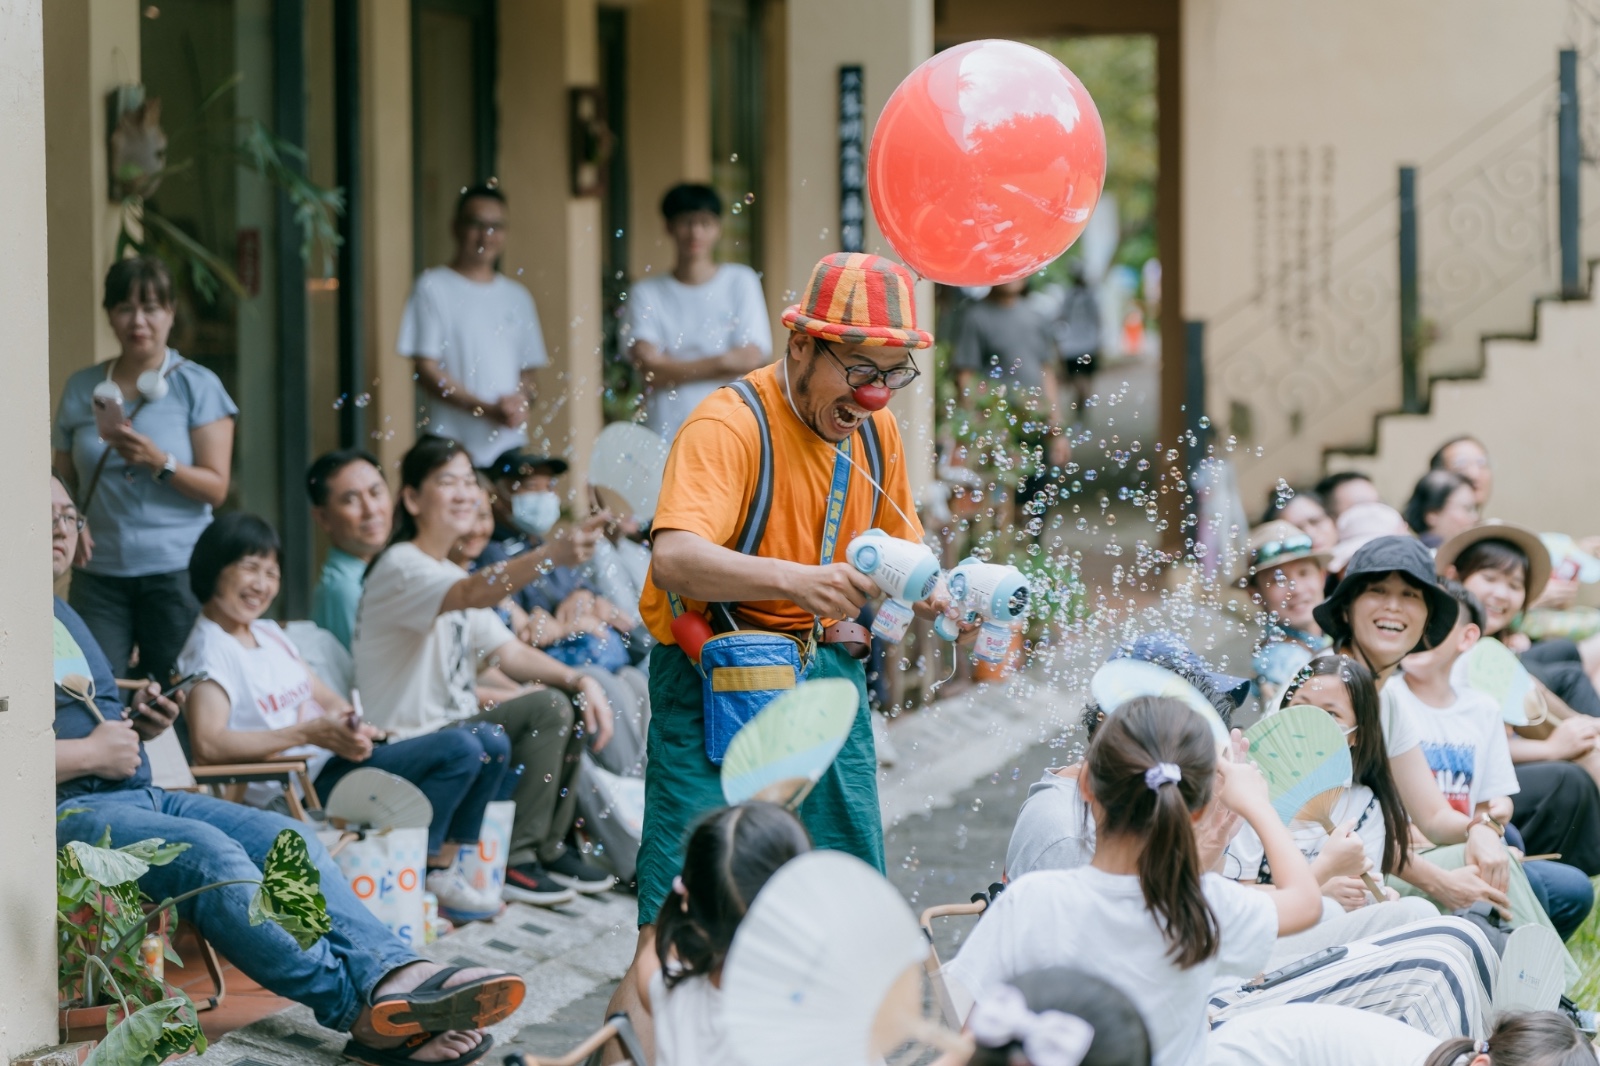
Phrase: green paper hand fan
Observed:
(1121, 680)
(782, 752)
(1494, 670)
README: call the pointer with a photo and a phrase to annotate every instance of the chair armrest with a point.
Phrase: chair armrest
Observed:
(267, 769)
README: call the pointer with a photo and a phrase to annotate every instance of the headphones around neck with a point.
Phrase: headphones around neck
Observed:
(152, 384)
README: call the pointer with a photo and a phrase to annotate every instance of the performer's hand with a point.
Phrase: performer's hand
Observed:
(837, 590)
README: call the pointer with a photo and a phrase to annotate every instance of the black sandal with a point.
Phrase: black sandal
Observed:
(356, 1051)
(433, 1008)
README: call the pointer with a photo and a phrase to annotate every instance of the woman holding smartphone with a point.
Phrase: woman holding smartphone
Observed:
(259, 701)
(145, 442)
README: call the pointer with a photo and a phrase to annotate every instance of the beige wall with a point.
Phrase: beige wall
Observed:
(669, 118)
(90, 47)
(1296, 117)
(27, 789)
(386, 151)
(888, 38)
(545, 47)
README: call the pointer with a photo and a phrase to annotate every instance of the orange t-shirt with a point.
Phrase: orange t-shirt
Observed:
(711, 476)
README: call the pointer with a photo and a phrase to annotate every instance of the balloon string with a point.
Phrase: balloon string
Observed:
(955, 664)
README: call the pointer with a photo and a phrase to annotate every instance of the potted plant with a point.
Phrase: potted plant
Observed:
(103, 918)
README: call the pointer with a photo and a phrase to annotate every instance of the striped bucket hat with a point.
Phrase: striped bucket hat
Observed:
(858, 298)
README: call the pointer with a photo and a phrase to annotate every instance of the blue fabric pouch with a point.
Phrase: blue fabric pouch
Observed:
(742, 672)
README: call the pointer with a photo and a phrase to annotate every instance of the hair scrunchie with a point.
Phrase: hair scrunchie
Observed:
(1162, 773)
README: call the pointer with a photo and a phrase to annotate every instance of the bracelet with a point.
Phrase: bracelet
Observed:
(1485, 818)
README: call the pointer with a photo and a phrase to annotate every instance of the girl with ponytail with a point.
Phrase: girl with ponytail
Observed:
(1143, 915)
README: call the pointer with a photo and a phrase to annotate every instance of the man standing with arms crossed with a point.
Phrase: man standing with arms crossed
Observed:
(474, 336)
(850, 344)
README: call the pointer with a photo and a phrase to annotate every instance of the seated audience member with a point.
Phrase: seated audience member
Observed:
(1528, 1038)
(1389, 605)
(1361, 524)
(259, 701)
(1034, 1019)
(1558, 766)
(732, 853)
(350, 501)
(1466, 457)
(1145, 916)
(1303, 508)
(566, 616)
(425, 630)
(1341, 491)
(1464, 741)
(103, 787)
(627, 689)
(1285, 579)
(1442, 505)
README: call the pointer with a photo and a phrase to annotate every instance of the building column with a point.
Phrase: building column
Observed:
(669, 118)
(386, 200)
(90, 48)
(887, 40)
(547, 47)
(27, 706)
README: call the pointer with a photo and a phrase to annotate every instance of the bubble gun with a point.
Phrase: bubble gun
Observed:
(991, 592)
(905, 570)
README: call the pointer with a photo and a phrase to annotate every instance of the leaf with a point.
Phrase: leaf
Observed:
(62, 816)
(201, 258)
(290, 892)
(155, 851)
(106, 865)
(150, 1035)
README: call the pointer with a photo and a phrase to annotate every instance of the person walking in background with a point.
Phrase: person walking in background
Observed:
(474, 336)
(146, 442)
(350, 501)
(1076, 330)
(693, 331)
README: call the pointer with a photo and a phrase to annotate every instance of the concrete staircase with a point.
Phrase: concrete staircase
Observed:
(1535, 405)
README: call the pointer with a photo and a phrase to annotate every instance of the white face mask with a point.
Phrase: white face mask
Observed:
(535, 512)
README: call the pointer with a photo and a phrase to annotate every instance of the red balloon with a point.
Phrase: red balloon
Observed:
(986, 163)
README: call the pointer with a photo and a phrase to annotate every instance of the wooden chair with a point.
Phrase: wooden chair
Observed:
(617, 1028)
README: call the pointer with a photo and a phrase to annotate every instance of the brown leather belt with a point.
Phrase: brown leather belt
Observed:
(851, 636)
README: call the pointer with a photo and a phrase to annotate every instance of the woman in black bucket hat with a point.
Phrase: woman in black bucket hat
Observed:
(1388, 605)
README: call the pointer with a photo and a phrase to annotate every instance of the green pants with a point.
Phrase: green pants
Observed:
(539, 726)
(681, 785)
(1525, 908)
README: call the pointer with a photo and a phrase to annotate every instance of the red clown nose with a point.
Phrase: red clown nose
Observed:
(872, 397)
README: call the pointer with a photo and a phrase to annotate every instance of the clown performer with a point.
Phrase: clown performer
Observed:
(804, 434)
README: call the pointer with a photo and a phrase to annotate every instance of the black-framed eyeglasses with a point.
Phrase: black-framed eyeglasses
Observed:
(858, 374)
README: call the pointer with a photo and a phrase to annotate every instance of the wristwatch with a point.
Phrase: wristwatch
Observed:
(1485, 818)
(168, 467)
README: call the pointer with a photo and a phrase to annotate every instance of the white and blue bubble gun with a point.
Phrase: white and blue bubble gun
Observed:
(992, 593)
(906, 571)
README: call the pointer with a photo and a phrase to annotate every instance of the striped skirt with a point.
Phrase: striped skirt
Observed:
(1436, 976)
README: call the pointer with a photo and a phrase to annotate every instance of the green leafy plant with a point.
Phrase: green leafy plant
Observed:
(102, 917)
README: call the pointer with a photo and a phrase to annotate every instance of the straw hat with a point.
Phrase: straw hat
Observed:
(1524, 539)
(1278, 543)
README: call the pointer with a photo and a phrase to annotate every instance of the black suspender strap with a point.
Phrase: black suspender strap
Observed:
(755, 519)
(873, 448)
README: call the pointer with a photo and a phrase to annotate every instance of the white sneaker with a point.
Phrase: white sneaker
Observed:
(458, 900)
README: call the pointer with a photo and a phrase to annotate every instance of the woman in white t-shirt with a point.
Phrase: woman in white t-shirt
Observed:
(731, 854)
(695, 329)
(259, 701)
(425, 629)
(1141, 915)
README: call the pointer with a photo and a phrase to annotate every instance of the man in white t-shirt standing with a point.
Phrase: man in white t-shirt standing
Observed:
(474, 336)
(693, 331)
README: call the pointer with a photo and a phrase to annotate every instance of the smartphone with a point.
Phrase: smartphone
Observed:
(184, 682)
(108, 413)
(1298, 967)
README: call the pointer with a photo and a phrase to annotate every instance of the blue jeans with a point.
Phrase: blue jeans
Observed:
(1563, 891)
(335, 977)
(459, 769)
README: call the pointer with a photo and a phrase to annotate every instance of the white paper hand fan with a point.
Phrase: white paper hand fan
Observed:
(625, 469)
(369, 798)
(824, 949)
(1494, 670)
(1121, 680)
(784, 750)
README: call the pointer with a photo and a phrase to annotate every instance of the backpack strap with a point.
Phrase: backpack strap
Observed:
(755, 519)
(872, 446)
